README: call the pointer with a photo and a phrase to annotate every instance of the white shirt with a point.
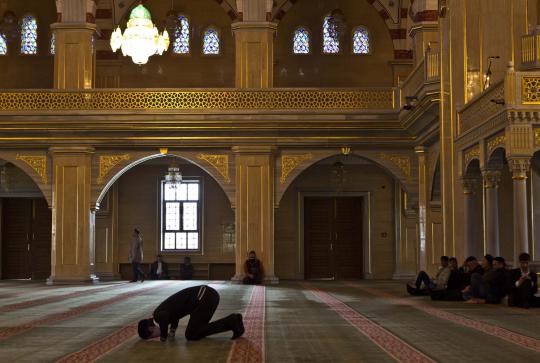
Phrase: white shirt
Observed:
(159, 269)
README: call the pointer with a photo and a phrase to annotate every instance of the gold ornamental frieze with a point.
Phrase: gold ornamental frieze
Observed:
(284, 99)
(38, 163)
(530, 90)
(402, 162)
(220, 162)
(470, 154)
(290, 162)
(496, 142)
(107, 163)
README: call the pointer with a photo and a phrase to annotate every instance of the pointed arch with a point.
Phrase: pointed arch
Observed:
(29, 35)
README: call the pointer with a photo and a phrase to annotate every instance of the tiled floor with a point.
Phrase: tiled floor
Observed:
(363, 321)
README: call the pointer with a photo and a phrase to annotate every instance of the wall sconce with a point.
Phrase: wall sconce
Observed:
(473, 83)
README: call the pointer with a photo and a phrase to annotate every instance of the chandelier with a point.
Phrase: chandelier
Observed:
(173, 176)
(141, 38)
(9, 26)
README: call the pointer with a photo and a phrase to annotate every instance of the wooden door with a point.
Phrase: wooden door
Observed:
(15, 238)
(333, 237)
(318, 215)
(40, 244)
(26, 238)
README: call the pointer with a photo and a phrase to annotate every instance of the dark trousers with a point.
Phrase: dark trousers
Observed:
(256, 280)
(423, 277)
(199, 325)
(523, 296)
(137, 271)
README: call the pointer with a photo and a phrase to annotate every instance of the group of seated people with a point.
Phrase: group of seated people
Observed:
(159, 269)
(487, 281)
(253, 269)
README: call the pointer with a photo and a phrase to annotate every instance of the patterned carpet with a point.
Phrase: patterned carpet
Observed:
(362, 321)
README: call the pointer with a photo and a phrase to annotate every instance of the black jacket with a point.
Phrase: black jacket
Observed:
(515, 274)
(176, 306)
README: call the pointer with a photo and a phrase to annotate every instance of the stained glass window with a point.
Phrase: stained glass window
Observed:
(52, 45)
(360, 41)
(3, 45)
(301, 41)
(180, 226)
(181, 36)
(211, 41)
(29, 35)
(330, 37)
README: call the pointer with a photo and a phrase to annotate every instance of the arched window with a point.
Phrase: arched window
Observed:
(181, 36)
(360, 41)
(52, 44)
(29, 35)
(330, 37)
(211, 42)
(3, 45)
(301, 41)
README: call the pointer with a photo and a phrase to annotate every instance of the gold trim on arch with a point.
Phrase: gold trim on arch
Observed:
(402, 162)
(290, 162)
(107, 163)
(220, 162)
(38, 163)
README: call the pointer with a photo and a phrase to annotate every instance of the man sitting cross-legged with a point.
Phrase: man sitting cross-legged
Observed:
(200, 303)
(429, 284)
(490, 287)
(454, 286)
(524, 284)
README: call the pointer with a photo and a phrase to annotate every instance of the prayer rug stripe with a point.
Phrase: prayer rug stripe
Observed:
(250, 348)
(53, 299)
(56, 317)
(390, 343)
(490, 329)
(107, 344)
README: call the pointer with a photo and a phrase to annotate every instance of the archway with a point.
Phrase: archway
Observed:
(25, 226)
(473, 210)
(196, 220)
(367, 192)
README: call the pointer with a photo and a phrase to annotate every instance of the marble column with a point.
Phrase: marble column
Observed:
(254, 54)
(73, 220)
(74, 58)
(519, 168)
(469, 187)
(492, 179)
(422, 206)
(255, 207)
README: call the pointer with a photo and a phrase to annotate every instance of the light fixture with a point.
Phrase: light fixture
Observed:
(9, 26)
(141, 38)
(338, 24)
(410, 102)
(173, 176)
(487, 76)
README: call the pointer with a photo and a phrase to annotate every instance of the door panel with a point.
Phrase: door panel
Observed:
(333, 237)
(318, 213)
(40, 247)
(15, 238)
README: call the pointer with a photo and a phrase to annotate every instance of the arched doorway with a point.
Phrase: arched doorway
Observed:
(139, 199)
(336, 220)
(25, 226)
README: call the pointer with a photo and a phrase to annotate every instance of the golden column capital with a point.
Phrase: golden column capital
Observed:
(491, 178)
(519, 167)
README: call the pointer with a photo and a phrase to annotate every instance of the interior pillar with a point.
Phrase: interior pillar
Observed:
(254, 54)
(492, 179)
(469, 187)
(423, 191)
(73, 220)
(255, 208)
(74, 58)
(519, 168)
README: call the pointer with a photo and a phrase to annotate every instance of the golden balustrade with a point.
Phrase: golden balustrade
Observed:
(530, 51)
(219, 100)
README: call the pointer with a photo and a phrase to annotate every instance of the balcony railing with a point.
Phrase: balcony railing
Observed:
(426, 72)
(197, 100)
(530, 51)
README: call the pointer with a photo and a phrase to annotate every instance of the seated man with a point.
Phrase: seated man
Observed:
(524, 284)
(454, 285)
(439, 282)
(186, 269)
(159, 269)
(471, 266)
(253, 270)
(200, 303)
(490, 287)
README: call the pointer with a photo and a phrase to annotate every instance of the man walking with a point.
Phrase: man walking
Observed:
(200, 303)
(136, 255)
